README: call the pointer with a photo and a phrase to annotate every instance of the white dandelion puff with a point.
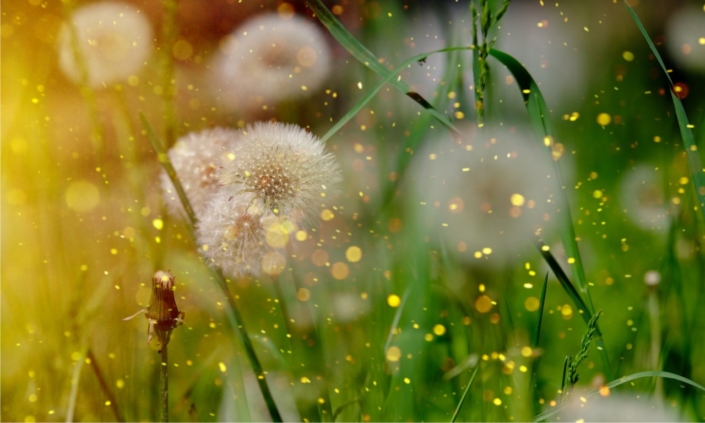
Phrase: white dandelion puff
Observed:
(270, 59)
(285, 168)
(196, 157)
(231, 235)
(643, 200)
(114, 41)
(487, 199)
(619, 408)
(685, 38)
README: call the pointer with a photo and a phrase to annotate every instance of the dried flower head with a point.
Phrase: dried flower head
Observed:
(284, 167)
(196, 157)
(231, 235)
(162, 312)
(114, 41)
(271, 58)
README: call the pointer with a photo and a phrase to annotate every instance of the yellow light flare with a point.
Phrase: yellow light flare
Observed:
(340, 270)
(439, 330)
(393, 354)
(273, 263)
(393, 300)
(353, 254)
(604, 119)
(517, 200)
(327, 215)
(531, 304)
(483, 304)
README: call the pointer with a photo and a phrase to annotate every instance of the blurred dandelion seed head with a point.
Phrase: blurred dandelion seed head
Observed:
(284, 167)
(685, 38)
(643, 200)
(195, 158)
(270, 59)
(492, 200)
(114, 41)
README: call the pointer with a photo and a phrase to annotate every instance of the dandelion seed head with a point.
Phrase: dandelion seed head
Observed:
(231, 234)
(284, 167)
(642, 198)
(195, 158)
(269, 59)
(685, 38)
(114, 41)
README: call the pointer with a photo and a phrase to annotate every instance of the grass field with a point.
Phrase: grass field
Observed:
(482, 211)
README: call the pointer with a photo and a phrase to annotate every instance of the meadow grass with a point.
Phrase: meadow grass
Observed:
(407, 330)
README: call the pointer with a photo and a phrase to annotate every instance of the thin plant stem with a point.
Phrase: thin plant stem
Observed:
(169, 33)
(164, 382)
(104, 385)
(75, 380)
(655, 325)
(233, 313)
(84, 87)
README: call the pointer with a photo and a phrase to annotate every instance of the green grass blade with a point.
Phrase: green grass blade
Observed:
(691, 150)
(620, 381)
(163, 158)
(539, 114)
(397, 317)
(579, 304)
(542, 303)
(366, 57)
(341, 407)
(389, 78)
(465, 394)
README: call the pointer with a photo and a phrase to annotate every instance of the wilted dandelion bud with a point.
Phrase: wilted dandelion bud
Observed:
(270, 58)
(114, 41)
(283, 167)
(162, 312)
(231, 235)
(196, 157)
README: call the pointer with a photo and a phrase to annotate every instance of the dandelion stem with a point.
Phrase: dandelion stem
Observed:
(164, 381)
(169, 33)
(233, 313)
(85, 89)
(104, 385)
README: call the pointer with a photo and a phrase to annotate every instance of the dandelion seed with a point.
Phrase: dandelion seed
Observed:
(271, 59)
(195, 158)
(114, 41)
(284, 168)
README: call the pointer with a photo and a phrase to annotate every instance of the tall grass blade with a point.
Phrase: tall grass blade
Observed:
(691, 149)
(372, 93)
(542, 303)
(622, 380)
(579, 303)
(366, 57)
(163, 158)
(539, 114)
(465, 394)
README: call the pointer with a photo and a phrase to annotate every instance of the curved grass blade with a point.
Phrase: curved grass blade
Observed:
(465, 394)
(691, 149)
(163, 158)
(397, 317)
(388, 78)
(539, 114)
(366, 57)
(341, 407)
(542, 303)
(620, 381)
